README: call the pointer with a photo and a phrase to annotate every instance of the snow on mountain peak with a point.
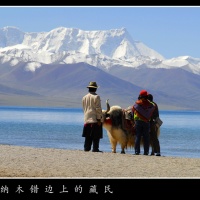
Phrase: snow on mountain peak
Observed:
(99, 48)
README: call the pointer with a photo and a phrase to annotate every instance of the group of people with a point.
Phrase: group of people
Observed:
(144, 113)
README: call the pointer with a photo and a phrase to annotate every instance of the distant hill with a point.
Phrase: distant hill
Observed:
(53, 69)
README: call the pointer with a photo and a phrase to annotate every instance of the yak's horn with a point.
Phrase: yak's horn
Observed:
(108, 106)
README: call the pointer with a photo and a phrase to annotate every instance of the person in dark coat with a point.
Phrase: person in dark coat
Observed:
(155, 144)
(92, 130)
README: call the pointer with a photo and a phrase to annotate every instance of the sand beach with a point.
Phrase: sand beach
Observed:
(18, 161)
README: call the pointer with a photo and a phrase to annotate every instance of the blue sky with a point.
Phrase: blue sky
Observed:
(171, 31)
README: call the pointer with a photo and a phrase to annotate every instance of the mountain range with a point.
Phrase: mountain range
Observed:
(53, 69)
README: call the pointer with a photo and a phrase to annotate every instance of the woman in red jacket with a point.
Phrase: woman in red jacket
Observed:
(142, 110)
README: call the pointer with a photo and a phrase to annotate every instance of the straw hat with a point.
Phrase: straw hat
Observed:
(92, 85)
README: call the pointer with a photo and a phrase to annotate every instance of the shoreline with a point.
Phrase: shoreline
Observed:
(30, 162)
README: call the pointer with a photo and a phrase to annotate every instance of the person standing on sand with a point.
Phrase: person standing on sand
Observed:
(92, 130)
(142, 112)
(153, 129)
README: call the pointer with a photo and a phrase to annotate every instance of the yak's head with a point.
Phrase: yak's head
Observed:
(112, 113)
(106, 112)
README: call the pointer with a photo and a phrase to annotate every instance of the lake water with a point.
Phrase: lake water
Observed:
(62, 128)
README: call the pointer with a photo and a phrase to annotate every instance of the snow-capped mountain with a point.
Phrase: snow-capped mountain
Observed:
(68, 45)
(39, 64)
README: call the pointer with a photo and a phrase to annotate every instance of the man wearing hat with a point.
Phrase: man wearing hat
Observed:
(142, 110)
(92, 130)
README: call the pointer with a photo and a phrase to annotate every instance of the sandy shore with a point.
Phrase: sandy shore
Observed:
(17, 161)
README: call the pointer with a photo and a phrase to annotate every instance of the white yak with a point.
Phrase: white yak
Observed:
(119, 127)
